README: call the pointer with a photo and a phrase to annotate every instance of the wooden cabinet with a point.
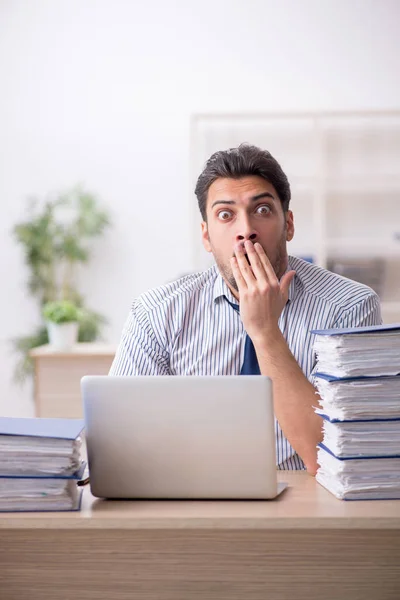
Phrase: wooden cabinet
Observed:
(58, 376)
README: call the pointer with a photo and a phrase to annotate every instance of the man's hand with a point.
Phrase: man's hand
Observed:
(262, 296)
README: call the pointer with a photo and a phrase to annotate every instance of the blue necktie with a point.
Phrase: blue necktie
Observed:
(250, 363)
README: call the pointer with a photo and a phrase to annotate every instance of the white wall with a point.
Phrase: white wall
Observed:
(101, 92)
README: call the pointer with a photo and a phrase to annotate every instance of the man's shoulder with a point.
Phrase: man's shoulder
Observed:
(326, 285)
(178, 291)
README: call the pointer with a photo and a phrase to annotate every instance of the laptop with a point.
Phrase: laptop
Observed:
(161, 437)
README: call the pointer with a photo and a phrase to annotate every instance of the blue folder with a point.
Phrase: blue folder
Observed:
(63, 429)
(331, 378)
(351, 330)
(384, 420)
(77, 475)
(355, 456)
(76, 508)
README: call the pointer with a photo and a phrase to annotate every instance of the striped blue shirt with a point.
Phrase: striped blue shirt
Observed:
(187, 328)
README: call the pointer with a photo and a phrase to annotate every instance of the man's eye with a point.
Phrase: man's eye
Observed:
(264, 209)
(224, 215)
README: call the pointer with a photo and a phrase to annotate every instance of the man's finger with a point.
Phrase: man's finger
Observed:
(241, 283)
(272, 278)
(255, 262)
(244, 266)
(285, 283)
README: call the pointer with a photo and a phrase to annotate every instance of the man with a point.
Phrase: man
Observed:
(256, 305)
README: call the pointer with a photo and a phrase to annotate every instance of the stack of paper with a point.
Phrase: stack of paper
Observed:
(364, 351)
(359, 386)
(359, 479)
(39, 464)
(362, 438)
(362, 398)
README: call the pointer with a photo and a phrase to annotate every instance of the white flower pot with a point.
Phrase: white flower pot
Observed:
(62, 336)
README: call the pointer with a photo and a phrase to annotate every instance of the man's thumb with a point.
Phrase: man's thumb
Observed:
(285, 283)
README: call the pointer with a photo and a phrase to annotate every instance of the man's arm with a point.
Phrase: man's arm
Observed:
(262, 298)
(139, 351)
(294, 397)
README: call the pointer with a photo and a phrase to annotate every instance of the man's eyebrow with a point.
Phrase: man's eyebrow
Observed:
(253, 199)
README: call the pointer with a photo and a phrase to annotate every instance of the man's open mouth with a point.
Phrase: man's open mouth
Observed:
(247, 258)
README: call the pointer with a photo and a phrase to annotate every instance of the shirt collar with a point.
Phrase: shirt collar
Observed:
(222, 289)
(292, 286)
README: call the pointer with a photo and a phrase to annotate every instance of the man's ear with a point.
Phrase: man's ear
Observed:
(205, 237)
(289, 225)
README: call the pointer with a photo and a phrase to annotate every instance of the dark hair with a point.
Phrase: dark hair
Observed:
(239, 162)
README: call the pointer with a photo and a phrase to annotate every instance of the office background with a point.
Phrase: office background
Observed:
(102, 93)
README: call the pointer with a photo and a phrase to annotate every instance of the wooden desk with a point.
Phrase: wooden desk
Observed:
(58, 376)
(304, 545)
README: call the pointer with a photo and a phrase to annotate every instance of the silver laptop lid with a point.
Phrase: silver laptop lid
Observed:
(180, 437)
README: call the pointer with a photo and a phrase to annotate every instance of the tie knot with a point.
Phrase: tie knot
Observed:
(235, 306)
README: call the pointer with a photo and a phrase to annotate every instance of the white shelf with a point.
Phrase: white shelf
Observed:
(363, 184)
(362, 248)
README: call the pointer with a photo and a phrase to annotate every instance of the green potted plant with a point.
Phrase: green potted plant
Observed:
(62, 322)
(56, 236)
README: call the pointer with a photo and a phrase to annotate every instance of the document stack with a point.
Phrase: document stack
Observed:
(358, 380)
(40, 463)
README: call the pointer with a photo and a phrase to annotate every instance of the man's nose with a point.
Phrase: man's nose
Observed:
(246, 232)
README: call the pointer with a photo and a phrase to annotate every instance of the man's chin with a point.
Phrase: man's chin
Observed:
(232, 283)
(228, 278)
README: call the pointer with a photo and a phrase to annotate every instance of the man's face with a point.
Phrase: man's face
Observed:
(245, 209)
